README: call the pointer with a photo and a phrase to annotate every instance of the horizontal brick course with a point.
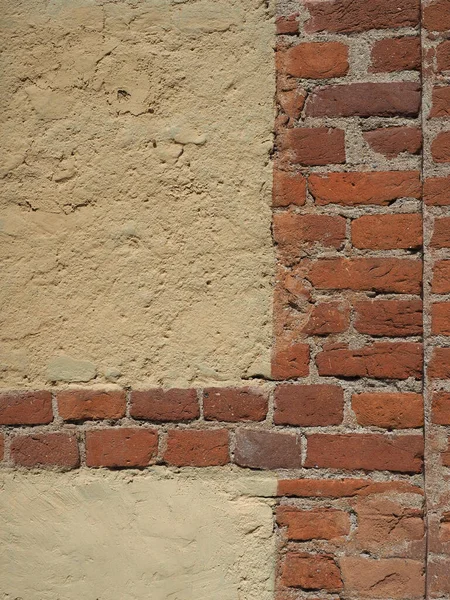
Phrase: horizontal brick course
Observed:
(197, 448)
(308, 405)
(387, 232)
(80, 405)
(314, 146)
(389, 410)
(235, 404)
(396, 54)
(393, 141)
(45, 450)
(389, 317)
(160, 405)
(314, 60)
(259, 449)
(121, 447)
(319, 524)
(25, 408)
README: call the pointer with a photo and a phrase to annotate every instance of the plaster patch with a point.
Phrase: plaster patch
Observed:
(103, 535)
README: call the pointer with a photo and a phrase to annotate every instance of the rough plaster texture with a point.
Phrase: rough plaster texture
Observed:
(159, 535)
(134, 219)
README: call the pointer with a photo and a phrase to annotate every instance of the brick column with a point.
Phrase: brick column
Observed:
(347, 225)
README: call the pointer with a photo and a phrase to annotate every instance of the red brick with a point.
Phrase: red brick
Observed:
(436, 16)
(317, 524)
(440, 148)
(397, 275)
(440, 318)
(290, 361)
(389, 317)
(197, 448)
(121, 447)
(387, 232)
(25, 408)
(439, 365)
(396, 54)
(386, 578)
(443, 56)
(45, 450)
(440, 102)
(293, 232)
(341, 488)
(348, 16)
(313, 146)
(327, 317)
(291, 102)
(387, 527)
(235, 404)
(311, 572)
(441, 233)
(287, 25)
(365, 100)
(79, 405)
(392, 141)
(380, 360)
(353, 189)
(308, 405)
(288, 189)
(437, 191)
(370, 452)
(438, 576)
(165, 405)
(389, 410)
(441, 277)
(262, 449)
(316, 60)
(441, 408)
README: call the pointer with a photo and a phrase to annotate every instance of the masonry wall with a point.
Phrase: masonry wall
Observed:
(291, 368)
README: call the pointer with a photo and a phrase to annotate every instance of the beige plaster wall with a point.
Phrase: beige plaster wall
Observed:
(134, 215)
(158, 536)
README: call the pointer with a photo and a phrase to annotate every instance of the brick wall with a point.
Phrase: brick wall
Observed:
(355, 419)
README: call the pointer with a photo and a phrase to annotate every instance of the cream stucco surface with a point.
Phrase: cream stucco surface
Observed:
(155, 536)
(136, 180)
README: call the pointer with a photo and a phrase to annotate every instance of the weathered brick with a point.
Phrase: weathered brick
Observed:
(25, 408)
(288, 189)
(397, 275)
(440, 147)
(386, 578)
(441, 233)
(313, 146)
(319, 524)
(121, 447)
(308, 405)
(342, 488)
(438, 576)
(437, 191)
(290, 360)
(440, 106)
(443, 56)
(389, 317)
(235, 404)
(311, 572)
(441, 277)
(165, 405)
(348, 16)
(440, 318)
(380, 360)
(386, 232)
(287, 25)
(262, 449)
(197, 448)
(79, 405)
(386, 527)
(291, 102)
(327, 317)
(396, 54)
(440, 413)
(389, 410)
(370, 452)
(353, 189)
(365, 100)
(314, 60)
(439, 365)
(392, 141)
(45, 450)
(293, 232)
(436, 16)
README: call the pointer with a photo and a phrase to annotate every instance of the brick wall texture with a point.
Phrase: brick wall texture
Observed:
(356, 416)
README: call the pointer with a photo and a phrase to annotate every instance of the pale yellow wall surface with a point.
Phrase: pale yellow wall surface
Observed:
(134, 218)
(156, 536)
